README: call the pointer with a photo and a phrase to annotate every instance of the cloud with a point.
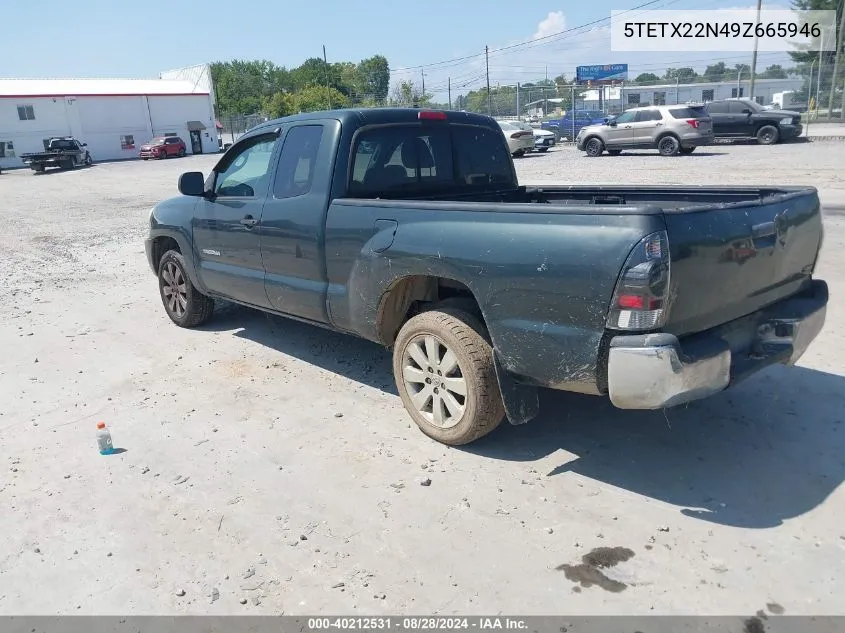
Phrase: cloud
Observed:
(553, 23)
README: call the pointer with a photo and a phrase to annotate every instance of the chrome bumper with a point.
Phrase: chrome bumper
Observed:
(654, 371)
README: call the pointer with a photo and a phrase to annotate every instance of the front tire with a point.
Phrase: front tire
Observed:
(185, 305)
(614, 152)
(768, 135)
(443, 367)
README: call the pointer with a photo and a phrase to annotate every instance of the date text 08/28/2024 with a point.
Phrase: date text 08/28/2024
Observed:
(415, 623)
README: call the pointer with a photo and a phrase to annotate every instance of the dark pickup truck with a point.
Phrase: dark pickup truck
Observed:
(745, 119)
(63, 152)
(408, 227)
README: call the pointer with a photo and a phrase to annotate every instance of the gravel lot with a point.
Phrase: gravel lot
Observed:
(271, 462)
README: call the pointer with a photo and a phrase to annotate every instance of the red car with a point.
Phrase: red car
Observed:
(164, 146)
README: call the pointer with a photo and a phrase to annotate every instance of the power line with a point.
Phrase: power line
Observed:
(487, 51)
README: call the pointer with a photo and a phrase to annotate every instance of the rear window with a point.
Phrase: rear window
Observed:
(688, 113)
(428, 158)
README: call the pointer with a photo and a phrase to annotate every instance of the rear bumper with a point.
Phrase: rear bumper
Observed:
(653, 371)
(697, 140)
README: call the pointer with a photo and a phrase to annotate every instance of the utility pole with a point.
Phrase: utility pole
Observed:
(836, 62)
(487, 66)
(422, 72)
(328, 92)
(738, 84)
(517, 98)
(754, 54)
(449, 84)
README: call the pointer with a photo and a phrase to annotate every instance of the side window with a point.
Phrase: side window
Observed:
(297, 162)
(246, 172)
(626, 117)
(480, 156)
(719, 107)
(736, 107)
(648, 115)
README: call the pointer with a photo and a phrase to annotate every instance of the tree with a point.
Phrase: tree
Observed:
(408, 93)
(681, 75)
(741, 71)
(775, 71)
(374, 78)
(278, 105)
(241, 85)
(715, 72)
(644, 79)
(315, 98)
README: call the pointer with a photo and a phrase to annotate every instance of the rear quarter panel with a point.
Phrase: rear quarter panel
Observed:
(543, 280)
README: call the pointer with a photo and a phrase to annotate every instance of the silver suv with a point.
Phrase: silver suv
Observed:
(671, 130)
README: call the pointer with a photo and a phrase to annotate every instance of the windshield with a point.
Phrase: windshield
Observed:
(156, 141)
(595, 114)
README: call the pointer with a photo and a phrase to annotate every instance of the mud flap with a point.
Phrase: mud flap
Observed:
(522, 402)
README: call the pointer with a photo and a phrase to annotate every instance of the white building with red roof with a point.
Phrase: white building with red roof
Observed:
(113, 116)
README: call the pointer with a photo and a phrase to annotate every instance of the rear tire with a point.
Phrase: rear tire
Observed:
(668, 146)
(445, 349)
(519, 153)
(768, 135)
(614, 152)
(181, 153)
(185, 305)
(593, 147)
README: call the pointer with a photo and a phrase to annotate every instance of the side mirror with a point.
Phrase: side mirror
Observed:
(746, 111)
(85, 145)
(192, 183)
(611, 122)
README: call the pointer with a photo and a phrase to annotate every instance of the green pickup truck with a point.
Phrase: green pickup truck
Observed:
(409, 228)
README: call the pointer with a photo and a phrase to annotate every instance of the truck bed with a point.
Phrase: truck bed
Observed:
(734, 250)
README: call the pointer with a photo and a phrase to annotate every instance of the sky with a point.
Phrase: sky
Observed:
(109, 38)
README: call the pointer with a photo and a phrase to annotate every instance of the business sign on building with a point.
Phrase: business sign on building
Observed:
(601, 74)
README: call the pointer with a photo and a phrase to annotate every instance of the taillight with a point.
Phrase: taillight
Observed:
(642, 291)
(693, 122)
(431, 115)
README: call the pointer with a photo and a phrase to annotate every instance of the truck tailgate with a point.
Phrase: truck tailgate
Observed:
(733, 259)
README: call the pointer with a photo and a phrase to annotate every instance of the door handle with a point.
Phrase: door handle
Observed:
(249, 221)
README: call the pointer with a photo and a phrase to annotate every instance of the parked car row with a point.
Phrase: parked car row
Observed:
(679, 129)
(523, 137)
